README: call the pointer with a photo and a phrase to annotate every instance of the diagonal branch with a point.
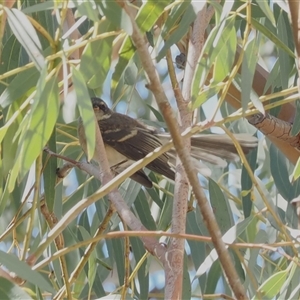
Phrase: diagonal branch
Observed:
(162, 101)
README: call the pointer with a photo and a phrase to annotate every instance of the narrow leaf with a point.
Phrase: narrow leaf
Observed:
(96, 60)
(247, 183)
(87, 8)
(19, 86)
(264, 6)
(296, 172)
(41, 124)
(49, 173)
(216, 41)
(272, 37)
(13, 264)
(149, 13)
(296, 124)
(220, 206)
(280, 173)
(113, 12)
(271, 287)
(86, 111)
(26, 35)
(248, 70)
(36, 127)
(8, 290)
(125, 55)
(183, 27)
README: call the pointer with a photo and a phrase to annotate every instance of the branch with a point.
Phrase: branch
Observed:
(174, 270)
(162, 101)
(276, 128)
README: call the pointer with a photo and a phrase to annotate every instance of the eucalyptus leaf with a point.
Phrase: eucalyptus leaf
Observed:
(26, 35)
(8, 290)
(86, 112)
(13, 264)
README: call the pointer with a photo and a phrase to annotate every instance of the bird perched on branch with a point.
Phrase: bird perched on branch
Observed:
(127, 140)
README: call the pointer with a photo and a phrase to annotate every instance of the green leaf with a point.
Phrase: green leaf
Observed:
(166, 212)
(261, 237)
(214, 274)
(248, 71)
(92, 269)
(183, 27)
(284, 58)
(19, 86)
(266, 10)
(138, 250)
(296, 171)
(296, 124)
(8, 290)
(10, 59)
(197, 249)
(96, 60)
(26, 35)
(149, 13)
(229, 237)
(247, 183)
(4, 196)
(118, 245)
(174, 17)
(186, 281)
(49, 173)
(214, 44)
(143, 210)
(86, 111)
(87, 8)
(280, 173)
(126, 53)
(13, 264)
(35, 135)
(271, 287)
(48, 5)
(272, 37)
(156, 113)
(113, 12)
(224, 60)
(220, 206)
(41, 124)
(206, 93)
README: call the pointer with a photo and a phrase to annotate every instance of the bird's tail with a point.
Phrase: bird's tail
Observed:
(215, 148)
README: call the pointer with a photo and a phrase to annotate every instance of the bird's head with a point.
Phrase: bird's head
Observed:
(102, 111)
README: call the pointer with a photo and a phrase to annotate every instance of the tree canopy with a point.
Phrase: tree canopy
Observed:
(71, 229)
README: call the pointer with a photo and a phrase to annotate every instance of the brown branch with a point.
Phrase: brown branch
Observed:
(276, 128)
(274, 247)
(287, 111)
(185, 158)
(174, 273)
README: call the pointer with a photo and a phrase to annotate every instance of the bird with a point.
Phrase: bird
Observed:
(127, 140)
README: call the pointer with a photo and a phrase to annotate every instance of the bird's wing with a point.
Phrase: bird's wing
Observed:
(135, 143)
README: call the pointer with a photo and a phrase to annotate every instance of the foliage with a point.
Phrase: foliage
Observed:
(251, 202)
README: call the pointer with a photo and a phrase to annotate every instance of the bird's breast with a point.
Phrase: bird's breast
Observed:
(113, 156)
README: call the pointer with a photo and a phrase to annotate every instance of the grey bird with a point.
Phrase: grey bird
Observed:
(127, 140)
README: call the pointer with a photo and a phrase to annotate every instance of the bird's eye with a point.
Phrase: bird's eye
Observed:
(102, 106)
